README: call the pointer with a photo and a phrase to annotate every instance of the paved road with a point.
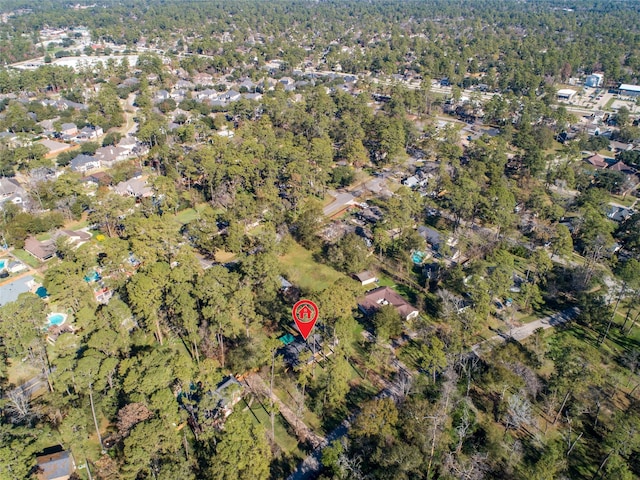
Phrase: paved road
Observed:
(342, 200)
(520, 333)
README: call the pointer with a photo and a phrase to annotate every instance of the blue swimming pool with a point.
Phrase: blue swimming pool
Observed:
(92, 277)
(418, 257)
(3, 263)
(56, 319)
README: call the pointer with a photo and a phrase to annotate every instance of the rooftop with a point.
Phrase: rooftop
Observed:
(381, 296)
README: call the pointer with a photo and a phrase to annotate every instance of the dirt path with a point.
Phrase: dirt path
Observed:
(303, 432)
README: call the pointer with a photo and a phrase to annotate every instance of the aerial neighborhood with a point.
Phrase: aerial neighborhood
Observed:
(453, 187)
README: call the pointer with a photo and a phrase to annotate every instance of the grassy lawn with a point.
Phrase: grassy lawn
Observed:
(286, 441)
(26, 258)
(186, 215)
(299, 267)
(609, 103)
(19, 372)
(43, 236)
(626, 201)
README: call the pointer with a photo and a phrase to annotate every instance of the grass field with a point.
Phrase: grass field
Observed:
(26, 258)
(287, 442)
(300, 268)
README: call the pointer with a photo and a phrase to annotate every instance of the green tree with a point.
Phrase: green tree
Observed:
(242, 451)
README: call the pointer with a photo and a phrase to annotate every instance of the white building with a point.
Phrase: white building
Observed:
(566, 94)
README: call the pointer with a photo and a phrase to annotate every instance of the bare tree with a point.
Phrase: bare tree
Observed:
(462, 430)
(518, 412)
(19, 405)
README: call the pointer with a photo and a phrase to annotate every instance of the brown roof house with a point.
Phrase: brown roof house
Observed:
(378, 297)
(55, 466)
(597, 161)
(43, 251)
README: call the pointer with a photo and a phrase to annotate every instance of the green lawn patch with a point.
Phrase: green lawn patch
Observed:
(300, 268)
(607, 106)
(187, 215)
(286, 441)
(26, 258)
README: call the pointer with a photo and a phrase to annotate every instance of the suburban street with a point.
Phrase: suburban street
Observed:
(342, 200)
(520, 333)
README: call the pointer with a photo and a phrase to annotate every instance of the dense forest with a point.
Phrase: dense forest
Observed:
(184, 371)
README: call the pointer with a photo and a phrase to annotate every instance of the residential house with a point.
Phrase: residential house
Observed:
(9, 187)
(69, 129)
(16, 267)
(178, 95)
(47, 126)
(128, 143)
(202, 79)
(230, 96)
(43, 251)
(411, 181)
(10, 139)
(136, 187)
(617, 147)
(11, 191)
(597, 161)
(64, 104)
(248, 84)
(55, 466)
(83, 163)
(620, 166)
(53, 147)
(184, 84)
(109, 156)
(130, 82)
(89, 133)
(161, 96)
(74, 237)
(618, 213)
(366, 278)
(207, 94)
(432, 236)
(378, 297)
(98, 179)
(371, 214)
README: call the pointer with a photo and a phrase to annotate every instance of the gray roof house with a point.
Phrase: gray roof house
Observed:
(55, 466)
(69, 129)
(83, 163)
(9, 187)
(136, 187)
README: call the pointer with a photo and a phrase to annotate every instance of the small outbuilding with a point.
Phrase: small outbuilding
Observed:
(366, 278)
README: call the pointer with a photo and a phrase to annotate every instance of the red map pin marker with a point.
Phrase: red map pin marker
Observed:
(305, 314)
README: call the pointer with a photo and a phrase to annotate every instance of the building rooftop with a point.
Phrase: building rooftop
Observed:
(378, 297)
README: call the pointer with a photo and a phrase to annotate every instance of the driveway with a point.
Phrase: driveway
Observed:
(520, 333)
(342, 201)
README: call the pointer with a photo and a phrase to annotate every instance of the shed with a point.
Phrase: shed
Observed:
(366, 278)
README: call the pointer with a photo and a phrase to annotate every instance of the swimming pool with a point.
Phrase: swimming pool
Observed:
(418, 257)
(3, 263)
(92, 277)
(55, 319)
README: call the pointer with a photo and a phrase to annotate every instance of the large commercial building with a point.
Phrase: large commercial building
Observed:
(629, 90)
(594, 80)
